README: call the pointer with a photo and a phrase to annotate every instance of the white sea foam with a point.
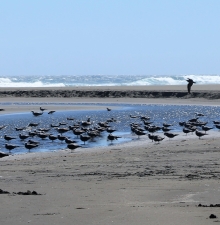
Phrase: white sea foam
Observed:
(105, 80)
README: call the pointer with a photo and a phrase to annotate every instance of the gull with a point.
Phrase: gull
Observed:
(205, 128)
(10, 146)
(37, 113)
(42, 109)
(170, 135)
(29, 146)
(112, 137)
(84, 138)
(200, 134)
(8, 138)
(73, 146)
(51, 112)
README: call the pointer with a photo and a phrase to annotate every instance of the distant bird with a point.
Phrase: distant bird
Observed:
(33, 142)
(2, 109)
(158, 138)
(52, 137)
(33, 124)
(51, 125)
(61, 137)
(216, 122)
(186, 131)
(42, 109)
(69, 141)
(8, 138)
(62, 130)
(190, 84)
(132, 116)
(78, 132)
(110, 130)
(37, 113)
(112, 137)
(73, 146)
(166, 129)
(205, 128)
(84, 138)
(166, 125)
(108, 109)
(170, 135)
(217, 126)
(200, 134)
(29, 146)
(42, 135)
(20, 128)
(23, 136)
(10, 146)
(51, 112)
(70, 118)
(139, 132)
(199, 114)
(151, 137)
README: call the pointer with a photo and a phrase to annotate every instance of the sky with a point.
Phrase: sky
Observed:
(109, 37)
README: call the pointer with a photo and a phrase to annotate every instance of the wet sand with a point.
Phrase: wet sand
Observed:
(136, 183)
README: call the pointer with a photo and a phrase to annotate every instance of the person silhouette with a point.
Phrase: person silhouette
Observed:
(190, 84)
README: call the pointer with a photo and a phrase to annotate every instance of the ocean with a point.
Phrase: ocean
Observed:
(103, 80)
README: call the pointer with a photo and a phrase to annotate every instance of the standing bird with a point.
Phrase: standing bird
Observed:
(200, 134)
(190, 84)
(108, 109)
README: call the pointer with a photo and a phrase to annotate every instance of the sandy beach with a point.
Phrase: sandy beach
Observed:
(173, 182)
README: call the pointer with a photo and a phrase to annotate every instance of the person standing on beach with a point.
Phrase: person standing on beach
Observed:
(190, 84)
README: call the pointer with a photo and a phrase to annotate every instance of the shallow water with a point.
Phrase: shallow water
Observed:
(172, 114)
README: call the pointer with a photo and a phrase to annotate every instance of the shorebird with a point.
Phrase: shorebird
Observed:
(110, 130)
(20, 128)
(78, 132)
(37, 113)
(2, 109)
(205, 128)
(84, 138)
(42, 109)
(33, 142)
(29, 146)
(170, 135)
(42, 135)
(23, 136)
(139, 132)
(33, 124)
(157, 138)
(52, 137)
(112, 137)
(186, 131)
(69, 141)
(166, 129)
(10, 146)
(62, 130)
(166, 125)
(61, 137)
(70, 118)
(200, 134)
(73, 146)
(199, 114)
(8, 138)
(108, 109)
(151, 137)
(217, 126)
(51, 112)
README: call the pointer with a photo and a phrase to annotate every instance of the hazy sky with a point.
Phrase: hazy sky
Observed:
(79, 37)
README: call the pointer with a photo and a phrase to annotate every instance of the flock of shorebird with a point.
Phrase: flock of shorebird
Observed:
(87, 130)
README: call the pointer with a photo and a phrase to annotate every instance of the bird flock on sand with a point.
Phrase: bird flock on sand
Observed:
(32, 135)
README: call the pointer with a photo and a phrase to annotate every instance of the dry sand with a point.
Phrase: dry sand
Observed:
(136, 183)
